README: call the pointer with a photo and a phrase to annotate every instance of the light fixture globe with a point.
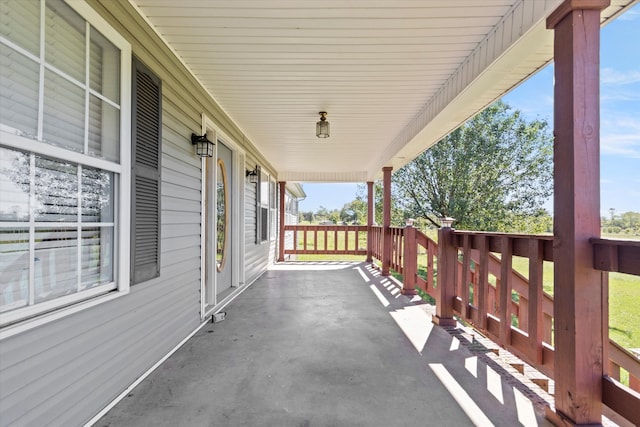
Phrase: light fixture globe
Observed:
(204, 147)
(322, 126)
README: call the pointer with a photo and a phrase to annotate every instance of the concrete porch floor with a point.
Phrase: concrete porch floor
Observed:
(326, 344)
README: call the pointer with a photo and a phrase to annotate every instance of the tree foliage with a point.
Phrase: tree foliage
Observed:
(494, 173)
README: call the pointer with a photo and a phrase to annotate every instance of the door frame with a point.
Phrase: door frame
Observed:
(209, 303)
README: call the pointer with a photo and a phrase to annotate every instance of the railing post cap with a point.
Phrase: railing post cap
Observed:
(446, 222)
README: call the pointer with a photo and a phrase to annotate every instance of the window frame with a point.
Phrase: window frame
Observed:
(25, 318)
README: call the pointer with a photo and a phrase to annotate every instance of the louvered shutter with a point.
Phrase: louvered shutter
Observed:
(145, 161)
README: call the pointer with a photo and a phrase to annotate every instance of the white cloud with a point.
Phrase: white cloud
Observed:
(621, 144)
(606, 181)
(609, 76)
(630, 15)
(619, 95)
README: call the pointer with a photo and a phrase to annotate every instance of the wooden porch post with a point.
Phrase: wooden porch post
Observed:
(410, 267)
(386, 220)
(578, 301)
(371, 201)
(282, 217)
(445, 291)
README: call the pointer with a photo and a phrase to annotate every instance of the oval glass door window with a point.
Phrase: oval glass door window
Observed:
(222, 218)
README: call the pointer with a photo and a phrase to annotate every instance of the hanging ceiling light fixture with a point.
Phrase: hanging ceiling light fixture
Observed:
(322, 127)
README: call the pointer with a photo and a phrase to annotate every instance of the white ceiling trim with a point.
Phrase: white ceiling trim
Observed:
(522, 18)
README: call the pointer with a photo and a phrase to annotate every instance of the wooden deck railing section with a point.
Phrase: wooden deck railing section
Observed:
(494, 291)
(486, 289)
(327, 239)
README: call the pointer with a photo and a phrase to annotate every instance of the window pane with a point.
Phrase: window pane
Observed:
(56, 261)
(65, 39)
(56, 190)
(264, 224)
(14, 185)
(14, 268)
(20, 23)
(97, 256)
(104, 129)
(63, 113)
(97, 195)
(18, 91)
(104, 67)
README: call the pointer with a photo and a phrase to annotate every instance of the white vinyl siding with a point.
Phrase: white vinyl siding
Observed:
(63, 178)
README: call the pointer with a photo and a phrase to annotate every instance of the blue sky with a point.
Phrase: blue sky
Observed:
(619, 121)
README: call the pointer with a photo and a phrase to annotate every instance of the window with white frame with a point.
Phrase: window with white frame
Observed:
(64, 158)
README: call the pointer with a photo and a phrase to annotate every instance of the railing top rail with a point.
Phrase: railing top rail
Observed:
(614, 242)
(325, 227)
(616, 255)
(501, 234)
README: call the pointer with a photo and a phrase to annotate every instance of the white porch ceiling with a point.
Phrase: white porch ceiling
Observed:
(394, 75)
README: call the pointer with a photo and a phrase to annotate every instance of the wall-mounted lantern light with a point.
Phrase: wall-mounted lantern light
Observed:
(253, 175)
(322, 127)
(204, 147)
(446, 222)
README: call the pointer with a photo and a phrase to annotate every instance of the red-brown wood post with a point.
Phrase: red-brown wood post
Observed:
(410, 261)
(445, 291)
(386, 220)
(371, 202)
(578, 303)
(505, 289)
(536, 316)
(482, 295)
(283, 213)
(465, 276)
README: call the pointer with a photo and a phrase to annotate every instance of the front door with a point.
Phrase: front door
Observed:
(219, 216)
(223, 221)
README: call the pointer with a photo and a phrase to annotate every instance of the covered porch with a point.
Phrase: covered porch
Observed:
(360, 93)
(333, 343)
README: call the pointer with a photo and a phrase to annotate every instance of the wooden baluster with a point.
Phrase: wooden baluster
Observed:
(466, 275)
(346, 239)
(430, 253)
(483, 283)
(505, 290)
(634, 383)
(523, 312)
(536, 317)
(614, 370)
(305, 232)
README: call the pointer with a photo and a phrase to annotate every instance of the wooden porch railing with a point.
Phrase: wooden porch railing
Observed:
(486, 289)
(326, 239)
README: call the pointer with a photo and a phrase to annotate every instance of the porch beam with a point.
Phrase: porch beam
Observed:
(371, 201)
(283, 185)
(386, 220)
(578, 300)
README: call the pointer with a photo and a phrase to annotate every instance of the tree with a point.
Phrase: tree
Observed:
(490, 174)
(397, 213)
(354, 212)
